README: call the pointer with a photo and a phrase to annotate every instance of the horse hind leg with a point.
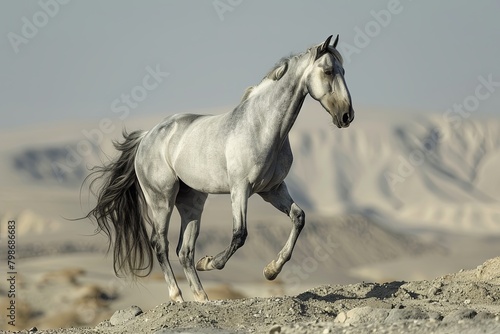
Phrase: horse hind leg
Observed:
(161, 204)
(190, 205)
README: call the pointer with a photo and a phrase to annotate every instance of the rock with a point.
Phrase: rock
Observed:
(275, 329)
(484, 316)
(435, 289)
(341, 317)
(489, 271)
(360, 315)
(378, 304)
(406, 314)
(122, 316)
(460, 315)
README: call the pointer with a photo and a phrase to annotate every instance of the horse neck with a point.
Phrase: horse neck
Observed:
(277, 106)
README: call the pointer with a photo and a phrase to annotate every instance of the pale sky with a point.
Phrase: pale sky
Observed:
(81, 59)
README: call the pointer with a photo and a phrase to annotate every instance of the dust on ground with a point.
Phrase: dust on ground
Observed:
(465, 302)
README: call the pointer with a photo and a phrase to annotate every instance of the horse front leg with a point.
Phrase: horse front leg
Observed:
(280, 199)
(239, 201)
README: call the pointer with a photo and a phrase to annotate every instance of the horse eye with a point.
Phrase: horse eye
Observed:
(328, 72)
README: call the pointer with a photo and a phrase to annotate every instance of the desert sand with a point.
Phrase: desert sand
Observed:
(464, 302)
(394, 205)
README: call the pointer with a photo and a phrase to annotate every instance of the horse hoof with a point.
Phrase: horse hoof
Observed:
(205, 263)
(270, 271)
(201, 297)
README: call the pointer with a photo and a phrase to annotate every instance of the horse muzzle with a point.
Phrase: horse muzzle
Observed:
(343, 120)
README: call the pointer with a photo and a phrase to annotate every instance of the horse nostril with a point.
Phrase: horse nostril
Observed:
(345, 118)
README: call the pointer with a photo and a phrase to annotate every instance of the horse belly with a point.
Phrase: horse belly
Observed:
(201, 166)
(202, 176)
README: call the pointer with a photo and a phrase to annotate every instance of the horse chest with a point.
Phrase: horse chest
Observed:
(271, 170)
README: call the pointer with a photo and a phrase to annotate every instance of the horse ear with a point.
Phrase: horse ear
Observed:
(281, 71)
(324, 47)
(336, 41)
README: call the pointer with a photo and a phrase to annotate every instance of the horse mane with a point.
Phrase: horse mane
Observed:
(281, 67)
(247, 93)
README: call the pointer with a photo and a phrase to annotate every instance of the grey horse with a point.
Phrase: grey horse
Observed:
(186, 157)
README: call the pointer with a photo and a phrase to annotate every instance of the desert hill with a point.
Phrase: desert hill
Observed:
(394, 197)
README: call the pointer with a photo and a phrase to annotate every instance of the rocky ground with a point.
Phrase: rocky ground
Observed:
(464, 302)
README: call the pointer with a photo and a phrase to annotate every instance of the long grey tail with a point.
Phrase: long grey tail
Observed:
(121, 210)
